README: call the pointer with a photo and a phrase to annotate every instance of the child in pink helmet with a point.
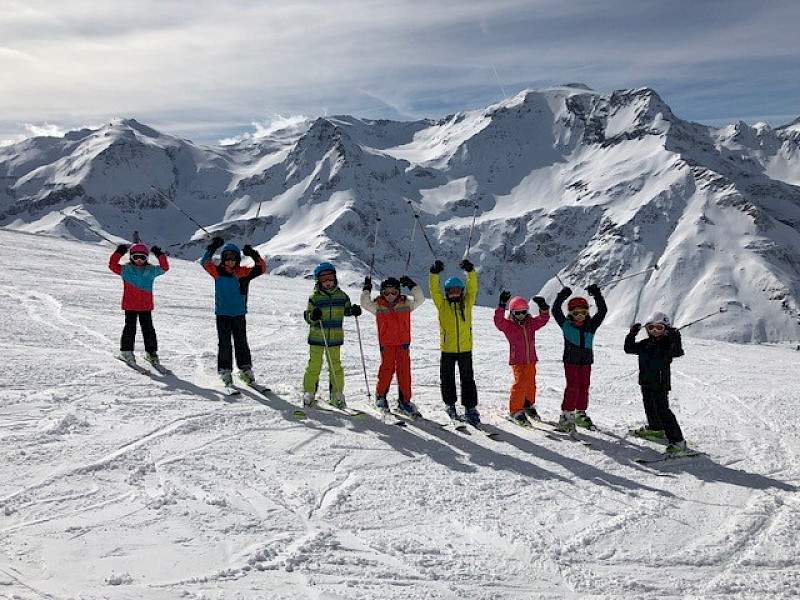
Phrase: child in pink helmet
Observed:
(137, 297)
(520, 331)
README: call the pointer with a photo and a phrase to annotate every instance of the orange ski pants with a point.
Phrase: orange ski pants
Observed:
(524, 387)
(395, 359)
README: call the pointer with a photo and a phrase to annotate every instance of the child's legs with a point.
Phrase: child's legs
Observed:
(386, 370)
(523, 388)
(447, 377)
(239, 330)
(469, 392)
(335, 371)
(224, 349)
(314, 366)
(650, 400)
(584, 379)
(128, 332)
(671, 427)
(403, 365)
(148, 332)
(572, 389)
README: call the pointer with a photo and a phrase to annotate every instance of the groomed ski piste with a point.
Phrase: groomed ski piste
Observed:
(120, 485)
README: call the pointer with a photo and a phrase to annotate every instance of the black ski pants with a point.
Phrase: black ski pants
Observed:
(447, 374)
(236, 328)
(145, 318)
(659, 414)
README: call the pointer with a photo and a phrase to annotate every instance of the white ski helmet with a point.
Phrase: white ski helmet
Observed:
(658, 318)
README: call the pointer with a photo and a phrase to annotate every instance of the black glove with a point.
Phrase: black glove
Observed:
(367, 287)
(504, 298)
(248, 250)
(122, 248)
(467, 266)
(156, 251)
(406, 281)
(593, 290)
(355, 310)
(635, 328)
(316, 314)
(215, 244)
(565, 292)
(437, 267)
(540, 302)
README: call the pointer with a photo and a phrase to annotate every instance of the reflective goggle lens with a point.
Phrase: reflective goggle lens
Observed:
(390, 292)
(327, 278)
(579, 311)
(139, 257)
(655, 327)
(519, 313)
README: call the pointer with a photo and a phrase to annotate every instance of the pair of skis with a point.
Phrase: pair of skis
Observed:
(550, 428)
(157, 367)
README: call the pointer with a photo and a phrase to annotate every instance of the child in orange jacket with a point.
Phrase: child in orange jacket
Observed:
(392, 312)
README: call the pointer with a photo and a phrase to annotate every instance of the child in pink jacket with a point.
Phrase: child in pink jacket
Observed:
(520, 330)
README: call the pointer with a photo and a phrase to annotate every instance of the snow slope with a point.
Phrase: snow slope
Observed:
(117, 485)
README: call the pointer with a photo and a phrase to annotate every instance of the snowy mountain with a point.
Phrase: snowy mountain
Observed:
(120, 486)
(565, 186)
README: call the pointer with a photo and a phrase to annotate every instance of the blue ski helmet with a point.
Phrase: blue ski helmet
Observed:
(231, 248)
(322, 267)
(453, 282)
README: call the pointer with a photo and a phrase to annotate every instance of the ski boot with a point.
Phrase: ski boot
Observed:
(127, 356)
(247, 376)
(226, 377)
(650, 434)
(472, 416)
(532, 413)
(152, 358)
(309, 399)
(450, 409)
(337, 400)
(381, 403)
(680, 449)
(408, 409)
(583, 420)
(566, 422)
(519, 418)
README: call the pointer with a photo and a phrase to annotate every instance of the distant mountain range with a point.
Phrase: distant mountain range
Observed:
(564, 185)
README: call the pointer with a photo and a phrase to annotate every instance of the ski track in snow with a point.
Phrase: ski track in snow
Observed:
(119, 485)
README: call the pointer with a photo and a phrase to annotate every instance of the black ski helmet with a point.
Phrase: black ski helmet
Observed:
(391, 282)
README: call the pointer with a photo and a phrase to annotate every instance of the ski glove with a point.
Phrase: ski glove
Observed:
(504, 298)
(367, 287)
(248, 250)
(437, 267)
(316, 314)
(565, 292)
(406, 281)
(635, 328)
(122, 249)
(540, 302)
(215, 243)
(355, 310)
(467, 266)
(156, 251)
(593, 290)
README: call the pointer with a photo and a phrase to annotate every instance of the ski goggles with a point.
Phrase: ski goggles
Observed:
(326, 278)
(519, 314)
(655, 327)
(577, 312)
(139, 257)
(390, 292)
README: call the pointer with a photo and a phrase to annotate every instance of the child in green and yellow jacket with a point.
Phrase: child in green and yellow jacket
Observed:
(327, 307)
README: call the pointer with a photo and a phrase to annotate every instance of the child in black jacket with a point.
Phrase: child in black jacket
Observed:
(663, 343)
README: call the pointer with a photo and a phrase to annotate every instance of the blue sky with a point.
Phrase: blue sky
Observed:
(209, 70)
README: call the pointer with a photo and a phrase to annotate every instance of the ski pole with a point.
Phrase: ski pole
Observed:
(86, 227)
(374, 246)
(421, 228)
(331, 374)
(363, 362)
(547, 260)
(708, 316)
(410, 247)
(653, 268)
(471, 229)
(179, 208)
(258, 212)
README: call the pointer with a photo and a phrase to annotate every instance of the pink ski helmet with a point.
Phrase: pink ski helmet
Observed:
(138, 249)
(518, 303)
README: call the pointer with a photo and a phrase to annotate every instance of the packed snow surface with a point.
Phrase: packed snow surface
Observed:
(122, 485)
